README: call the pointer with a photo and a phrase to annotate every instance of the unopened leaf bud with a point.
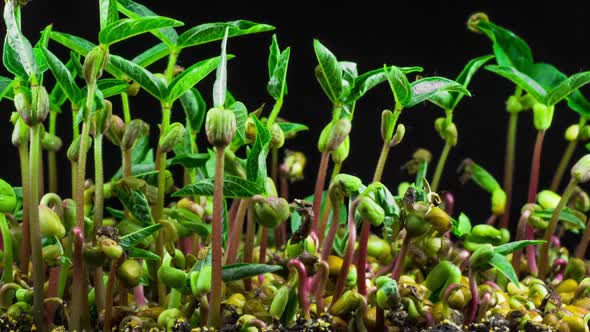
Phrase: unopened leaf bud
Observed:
(572, 132)
(174, 135)
(135, 129)
(49, 223)
(220, 126)
(548, 199)
(387, 125)
(277, 136)
(20, 133)
(294, 165)
(514, 104)
(339, 132)
(344, 185)
(399, 135)
(370, 211)
(439, 219)
(581, 170)
(270, 212)
(116, 130)
(39, 105)
(51, 142)
(94, 64)
(129, 273)
(498, 201)
(74, 149)
(101, 119)
(341, 153)
(542, 116)
(7, 197)
(475, 19)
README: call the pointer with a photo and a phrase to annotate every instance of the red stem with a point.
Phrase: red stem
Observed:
(262, 253)
(398, 268)
(329, 240)
(249, 245)
(361, 266)
(51, 307)
(236, 234)
(319, 188)
(535, 166)
(108, 309)
(347, 254)
(324, 272)
(520, 235)
(301, 285)
(474, 297)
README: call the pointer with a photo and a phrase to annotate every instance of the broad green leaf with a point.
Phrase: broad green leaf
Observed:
(136, 202)
(209, 32)
(111, 86)
(328, 72)
(75, 43)
(241, 271)
(520, 79)
(190, 77)
(565, 215)
(16, 41)
(290, 128)
(256, 163)
(566, 87)
(143, 77)
(577, 102)
(152, 54)
(547, 75)
(479, 175)
(194, 109)
(135, 10)
(118, 214)
(461, 226)
(62, 76)
(401, 88)
(6, 88)
(190, 221)
(466, 75)
(505, 267)
(129, 27)
(138, 169)
(278, 62)
(220, 84)
(137, 253)
(190, 160)
(108, 12)
(11, 61)
(132, 239)
(510, 50)
(510, 247)
(425, 88)
(241, 114)
(233, 187)
(370, 79)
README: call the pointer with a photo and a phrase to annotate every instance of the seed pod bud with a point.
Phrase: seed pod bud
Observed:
(271, 212)
(7, 197)
(439, 219)
(39, 106)
(20, 133)
(344, 185)
(323, 140)
(23, 106)
(480, 258)
(513, 104)
(370, 211)
(51, 254)
(102, 119)
(203, 285)
(498, 201)
(49, 223)
(399, 135)
(387, 293)
(220, 126)
(294, 165)
(387, 125)
(341, 153)
(51, 143)
(110, 247)
(279, 302)
(129, 273)
(137, 128)
(572, 132)
(74, 149)
(450, 133)
(542, 116)
(339, 132)
(172, 277)
(116, 130)
(95, 62)
(475, 19)
(548, 199)
(277, 136)
(346, 303)
(575, 269)
(580, 200)
(168, 317)
(173, 136)
(581, 170)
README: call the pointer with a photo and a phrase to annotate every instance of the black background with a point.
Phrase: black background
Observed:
(432, 35)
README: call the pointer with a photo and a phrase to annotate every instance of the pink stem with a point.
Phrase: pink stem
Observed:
(249, 245)
(139, 296)
(324, 271)
(398, 268)
(348, 254)
(522, 224)
(51, 307)
(262, 253)
(474, 297)
(319, 188)
(361, 267)
(236, 234)
(329, 240)
(301, 285)
(491, 219)
(449, 201)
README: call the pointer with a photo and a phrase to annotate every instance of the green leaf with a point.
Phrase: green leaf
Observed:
(191, 76)
(256, 162)
(11, 61)
(520, 79)
(401, 88)
(62, 76)
(136, 202)
(132, 239)
(241, 114)
(220, 84)
(16, 41)
(152, 54)
(510, 50)
(547, 75)
(190, 160)
(118, 214)
(425, 88)
(566, 215)
(233, 187)
(370, 79)
(143, 77)
(505, 267)
(108, 12)
(209, 32)
(190, 221)
(292, 127)
(75, 43)
(111, 86)
(566, 87)
(6, 90)
(466, 75)
(328, 72)
(278, 62)
(577, 102)
(461, 227)
(135, 10)
(141, 254)
(129, 27)
(241, 271)
(510, 247)
(194, 109)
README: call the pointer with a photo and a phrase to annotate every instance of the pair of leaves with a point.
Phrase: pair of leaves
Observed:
(126, 28)
(461, 226)
(566, 215)
(135, 201)
(278, 62)
(233, 187)
(408, 94)
(131, 240)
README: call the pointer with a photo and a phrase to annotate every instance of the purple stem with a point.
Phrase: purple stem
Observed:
(522, 224)
(474, 296)
(262, 253)
(348, 254)
(329, 240)
(324, 271)
(301, 285)
(485, 302)
(398, 268)
(361, 265)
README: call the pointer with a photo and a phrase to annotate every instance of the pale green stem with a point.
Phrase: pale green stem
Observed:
(440, 166)
(98, 215)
